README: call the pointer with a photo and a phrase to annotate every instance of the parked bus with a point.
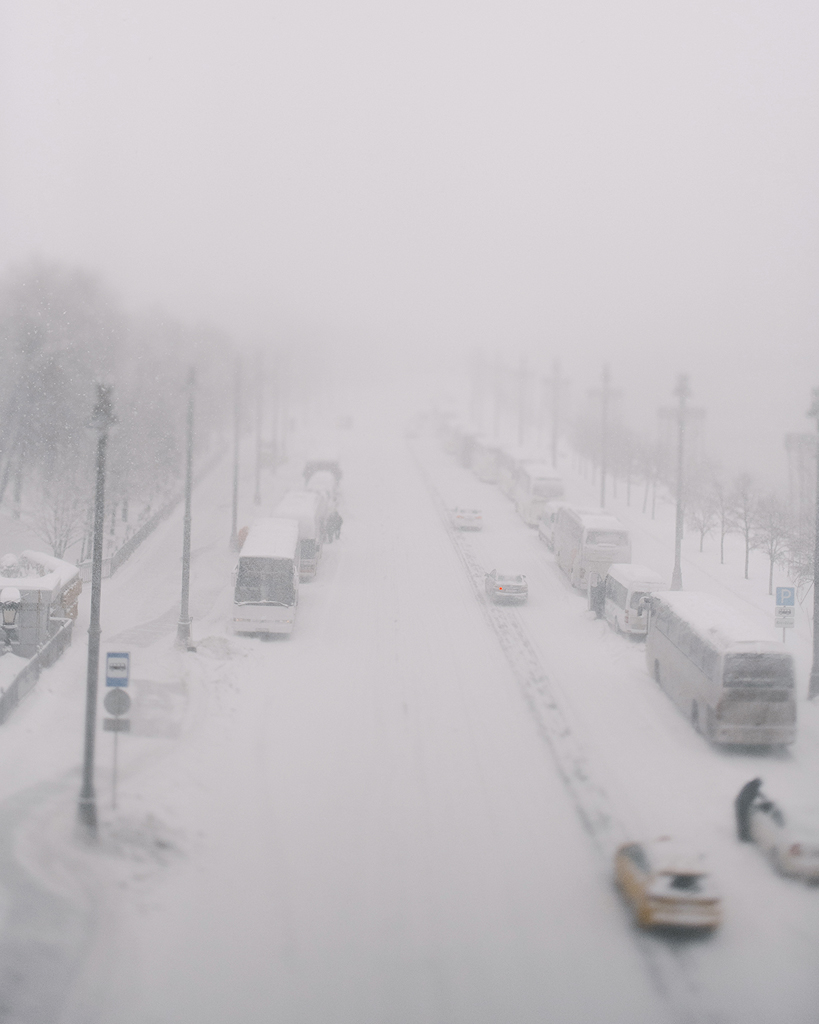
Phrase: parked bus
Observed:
(734, 684)
(266, 578)
(485, 456)
(309, 509)
(510, 461)
(626, 586)
(325, 482)
(535, 486)
(589, 542)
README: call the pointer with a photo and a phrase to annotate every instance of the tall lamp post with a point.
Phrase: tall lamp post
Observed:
(605, 394)
(234, 522)
(813, 687)
(102, 419)
(682, 392)
(183, 631)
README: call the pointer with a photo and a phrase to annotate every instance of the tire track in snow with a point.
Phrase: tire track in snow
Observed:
(670, 964)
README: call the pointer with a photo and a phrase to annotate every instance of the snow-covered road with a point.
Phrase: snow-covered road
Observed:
(366, 822)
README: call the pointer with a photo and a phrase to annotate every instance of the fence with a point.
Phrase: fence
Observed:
(114, 561)
(25, 679)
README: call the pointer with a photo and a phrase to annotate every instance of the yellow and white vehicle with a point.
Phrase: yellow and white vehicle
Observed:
(667, 885)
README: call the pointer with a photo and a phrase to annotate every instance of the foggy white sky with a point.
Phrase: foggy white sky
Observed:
(632, 181)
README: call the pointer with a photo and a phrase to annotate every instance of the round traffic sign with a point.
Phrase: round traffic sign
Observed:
(117, 702)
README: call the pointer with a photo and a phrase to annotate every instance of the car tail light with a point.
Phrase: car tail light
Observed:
(626, 618)
(796, 850)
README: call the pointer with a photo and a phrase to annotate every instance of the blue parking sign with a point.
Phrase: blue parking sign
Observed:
(785, 596)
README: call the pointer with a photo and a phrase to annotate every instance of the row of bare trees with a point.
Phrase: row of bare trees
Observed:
(62, 331)
(761, 518)
(713, 504)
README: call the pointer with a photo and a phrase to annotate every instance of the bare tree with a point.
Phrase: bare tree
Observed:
(701, 511)
(773, 528)
(60, 513)
(744, 502)
(723, 511)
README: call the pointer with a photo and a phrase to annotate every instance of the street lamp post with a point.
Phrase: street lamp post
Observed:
(183, 632)
(102, 419)
(682, 392)
(605, 394)
(234, 522)
(813, 687)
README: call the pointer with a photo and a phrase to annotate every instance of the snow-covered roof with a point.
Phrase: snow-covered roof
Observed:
(322, 480)
(670, 855)
(628, 573)
(271, 538)
(303, 506)
(597, 520)
(56, 573)
(540, 471)
(713, 618)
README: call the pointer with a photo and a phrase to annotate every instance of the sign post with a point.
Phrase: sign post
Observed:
(117, 703)
(785, 613)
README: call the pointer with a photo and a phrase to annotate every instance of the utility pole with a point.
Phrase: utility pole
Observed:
(257, 494)
(555, 385)
(496, 408)
(605, 394)
(102, 419)
(682, 392)
(183, 630)
(237, 388)
(522, 401)
(813, 687)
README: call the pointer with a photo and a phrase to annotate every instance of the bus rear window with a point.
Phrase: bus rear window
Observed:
(758, 670)
(265, 581)
(637, 597)
(607, 537)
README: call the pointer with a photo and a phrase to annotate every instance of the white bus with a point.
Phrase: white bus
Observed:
(309, 509)
(325, 482)
(735, 685)
(535, 486)
(589, 542)
(485, 456)
(266, 578)
(626, 586)
(510, 461)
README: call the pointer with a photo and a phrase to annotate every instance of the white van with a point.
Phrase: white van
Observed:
(546, 523)
(626, 585)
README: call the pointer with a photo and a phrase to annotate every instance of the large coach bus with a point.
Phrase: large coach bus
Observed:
(266, 578)
(535, 486)
(309, 509)
(735, 685)
(587, 543)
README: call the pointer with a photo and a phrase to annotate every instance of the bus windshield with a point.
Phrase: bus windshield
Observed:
(265, 581)
(612, 537)
(749, 669)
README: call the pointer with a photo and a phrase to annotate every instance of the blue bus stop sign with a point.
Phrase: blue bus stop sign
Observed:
(117, 669)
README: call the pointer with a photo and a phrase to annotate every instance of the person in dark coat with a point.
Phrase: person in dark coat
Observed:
(742, 805)
(334, 522)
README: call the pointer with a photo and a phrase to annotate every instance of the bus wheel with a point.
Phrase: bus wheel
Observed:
(657, 672)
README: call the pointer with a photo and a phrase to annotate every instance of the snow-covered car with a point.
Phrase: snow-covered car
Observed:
(667, 885)
(789, 837)
(466, 518)
(503, 589)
